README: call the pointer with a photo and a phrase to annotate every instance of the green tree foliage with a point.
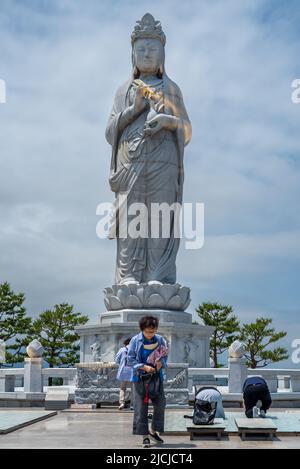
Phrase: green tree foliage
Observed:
(226, 326)
(14, 325)
(55, 329)
(258, 337)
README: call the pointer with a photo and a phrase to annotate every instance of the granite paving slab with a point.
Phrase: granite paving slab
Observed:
(11, 420)
(286, 422)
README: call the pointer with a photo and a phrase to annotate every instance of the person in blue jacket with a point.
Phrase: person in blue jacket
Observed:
(124, 374)
(140, 347)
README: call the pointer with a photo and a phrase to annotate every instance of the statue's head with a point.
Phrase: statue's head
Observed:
(148, 47)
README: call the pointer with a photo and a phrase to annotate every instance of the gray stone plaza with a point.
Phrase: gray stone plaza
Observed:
(108, 429)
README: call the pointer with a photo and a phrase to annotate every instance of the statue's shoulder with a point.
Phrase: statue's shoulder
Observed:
(172, 88)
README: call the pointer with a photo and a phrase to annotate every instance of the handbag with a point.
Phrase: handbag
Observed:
(149, 386)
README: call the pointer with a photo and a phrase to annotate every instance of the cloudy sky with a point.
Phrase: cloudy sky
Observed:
(234, 61)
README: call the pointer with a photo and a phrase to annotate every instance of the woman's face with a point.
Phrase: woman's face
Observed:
(149, 332)
(148, 54)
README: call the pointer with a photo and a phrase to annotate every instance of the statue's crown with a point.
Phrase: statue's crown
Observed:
(147, 27)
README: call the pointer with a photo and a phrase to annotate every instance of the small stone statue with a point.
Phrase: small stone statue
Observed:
(236, 349)
(96, 352)
(35, 349)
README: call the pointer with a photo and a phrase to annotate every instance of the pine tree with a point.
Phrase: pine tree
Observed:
(55, 329)
(226, 327)
(14, 325)
(257, 337)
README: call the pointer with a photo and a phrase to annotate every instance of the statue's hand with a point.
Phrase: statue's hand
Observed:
(159, 122)
(140, 103)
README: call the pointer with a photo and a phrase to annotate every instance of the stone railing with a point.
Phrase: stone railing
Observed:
(207, 376)
(67, 374)
(278, 380)
(231, 378)
(34, 376)
(8, 378)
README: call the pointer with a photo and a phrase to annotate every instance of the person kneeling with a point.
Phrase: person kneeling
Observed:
(257, 398)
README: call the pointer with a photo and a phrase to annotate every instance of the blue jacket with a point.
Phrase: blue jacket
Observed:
(135, 349)
(124, 371)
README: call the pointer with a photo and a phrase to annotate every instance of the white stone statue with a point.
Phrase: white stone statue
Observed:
(96, 352)
(148, 129)
(35, 349)
(236, 349)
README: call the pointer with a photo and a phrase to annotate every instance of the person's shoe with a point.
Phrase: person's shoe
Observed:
(262, 414)
(146, 442)
(259, 406)
(255, 412)
(155, 437)
(122, 406)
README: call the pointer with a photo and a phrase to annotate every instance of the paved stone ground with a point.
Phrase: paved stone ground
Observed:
(11, 420)
(110, 429)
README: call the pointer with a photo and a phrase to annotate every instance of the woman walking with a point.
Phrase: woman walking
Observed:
(140, 348)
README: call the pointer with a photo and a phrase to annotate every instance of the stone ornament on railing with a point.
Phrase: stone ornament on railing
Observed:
(149, 295)
(35, 349)
(236, 349)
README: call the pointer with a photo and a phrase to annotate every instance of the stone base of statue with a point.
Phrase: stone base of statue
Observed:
(187, 342)
(97, 384)
(99, 343)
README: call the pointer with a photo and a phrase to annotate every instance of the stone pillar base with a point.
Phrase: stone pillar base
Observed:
(33, 375)
(238, 373)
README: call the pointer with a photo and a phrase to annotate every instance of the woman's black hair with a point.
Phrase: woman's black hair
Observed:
(148, 321)
(127, 341)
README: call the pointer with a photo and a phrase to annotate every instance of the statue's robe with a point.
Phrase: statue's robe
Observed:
(147, 170)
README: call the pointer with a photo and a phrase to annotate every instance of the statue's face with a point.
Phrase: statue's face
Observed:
(148, 54)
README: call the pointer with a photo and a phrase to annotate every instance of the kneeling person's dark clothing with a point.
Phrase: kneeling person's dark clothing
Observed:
(256, 389)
